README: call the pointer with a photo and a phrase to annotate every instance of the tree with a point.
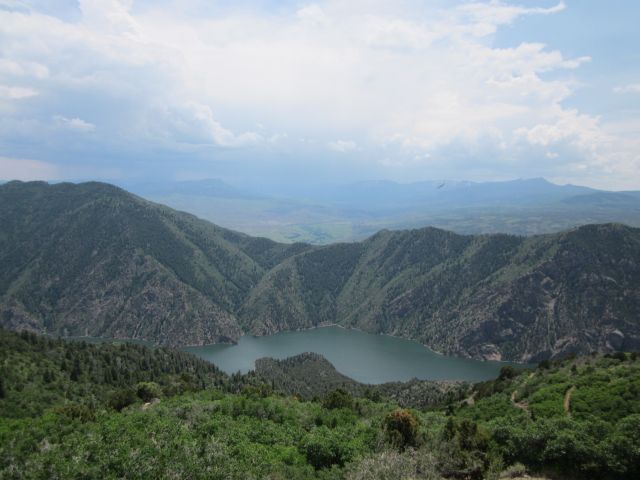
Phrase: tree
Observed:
(401, 428)
(121, 398)
(147, 391)
(338, 399)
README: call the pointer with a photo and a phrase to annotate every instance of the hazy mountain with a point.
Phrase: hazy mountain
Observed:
(394, 196)
(211, 187)
(93, 259)
(324, 214)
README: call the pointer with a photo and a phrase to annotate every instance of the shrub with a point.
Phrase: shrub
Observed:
(324, 447)
(464, 451)
(147, 391)
(338, 399)
(508, 372)
(121, 398)
(617, 356)
(77, 412)
(401, 428)
(514, 471)
(544, 365)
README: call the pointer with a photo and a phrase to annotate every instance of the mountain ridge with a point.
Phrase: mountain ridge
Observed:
(93, 259)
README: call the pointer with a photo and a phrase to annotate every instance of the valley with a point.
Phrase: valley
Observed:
(93, 260)
(365, 357)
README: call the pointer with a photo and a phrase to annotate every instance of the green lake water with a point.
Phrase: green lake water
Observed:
(362, 356)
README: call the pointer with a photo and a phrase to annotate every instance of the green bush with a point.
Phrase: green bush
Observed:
(77, 412)
(147, 391)
(338, 399)
(325, 447)
(121, 398)
(401, 428)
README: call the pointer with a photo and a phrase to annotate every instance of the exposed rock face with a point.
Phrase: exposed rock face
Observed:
(91, 259)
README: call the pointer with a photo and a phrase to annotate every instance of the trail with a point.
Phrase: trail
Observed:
(521, 405)
(567, 400)
(471, 400)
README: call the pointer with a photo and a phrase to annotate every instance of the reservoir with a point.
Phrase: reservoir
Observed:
(365, 357)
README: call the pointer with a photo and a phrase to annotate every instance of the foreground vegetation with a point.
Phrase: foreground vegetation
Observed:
(157, 413)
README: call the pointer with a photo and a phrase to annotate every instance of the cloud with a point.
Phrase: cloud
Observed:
(16, 93)
(74, 123)
(630, 88)
(485, 17)
(342, 146)
(23, 169)
(414, 86)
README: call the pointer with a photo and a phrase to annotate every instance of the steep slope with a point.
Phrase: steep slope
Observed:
(492, 296)
(92, 259)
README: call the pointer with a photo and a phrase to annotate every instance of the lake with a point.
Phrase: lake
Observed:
(362, 356)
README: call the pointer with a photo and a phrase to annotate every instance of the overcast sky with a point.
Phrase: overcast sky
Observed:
(317, 91)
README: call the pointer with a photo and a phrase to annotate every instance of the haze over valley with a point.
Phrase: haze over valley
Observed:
(345, 212)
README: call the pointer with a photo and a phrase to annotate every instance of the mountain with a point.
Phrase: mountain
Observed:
(92, 259)
(488, 296)
(326, 213)
(211, 187)
(389, 195)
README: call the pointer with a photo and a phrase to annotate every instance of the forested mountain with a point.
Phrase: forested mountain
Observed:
(490, 296)
(92, 259)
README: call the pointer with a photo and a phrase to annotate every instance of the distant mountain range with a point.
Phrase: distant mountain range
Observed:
(328, 213)
(92, 259)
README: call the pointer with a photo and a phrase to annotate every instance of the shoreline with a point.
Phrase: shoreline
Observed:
(150, 343)
(327, 325)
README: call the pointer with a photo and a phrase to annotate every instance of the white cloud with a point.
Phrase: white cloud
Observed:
(74, 123)
(343, 146)
(487, 16)
(408, 80)
(16, 93)
(630, 88)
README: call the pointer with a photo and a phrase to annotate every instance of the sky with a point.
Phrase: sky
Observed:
(328, 91)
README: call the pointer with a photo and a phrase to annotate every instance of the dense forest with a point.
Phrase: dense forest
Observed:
(75, 410)
(92, 259)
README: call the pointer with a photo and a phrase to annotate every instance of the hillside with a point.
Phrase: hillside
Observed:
(490, 296)
(92, 259)
(310, 375)
(165, 414)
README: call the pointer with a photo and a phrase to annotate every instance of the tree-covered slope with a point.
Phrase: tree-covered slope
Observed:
(39, 373)
(77, 410)
(489, 296)
(310, 375)
(91, 259)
